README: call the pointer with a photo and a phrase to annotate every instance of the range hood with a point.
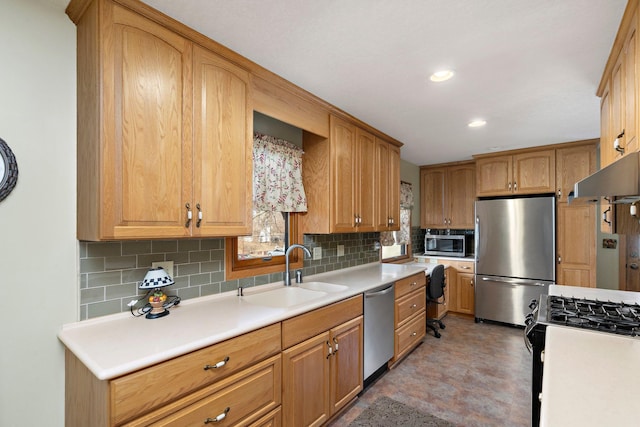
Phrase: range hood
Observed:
(619, 179)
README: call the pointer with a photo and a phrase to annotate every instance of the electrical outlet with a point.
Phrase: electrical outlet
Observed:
(317, 253)
(340, 250)
(166, 265)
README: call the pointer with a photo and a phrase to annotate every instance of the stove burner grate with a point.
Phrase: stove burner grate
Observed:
(604, 316)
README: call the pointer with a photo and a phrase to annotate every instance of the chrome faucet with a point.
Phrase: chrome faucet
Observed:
(287, 276)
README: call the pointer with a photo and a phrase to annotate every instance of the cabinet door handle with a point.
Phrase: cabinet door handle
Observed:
(559, 193)
(189, 215)
(199, 215)
(604, 215)
(330, 350)
(218, 365)
(559, 259)
(219, 418)
(471, 283)
(335, 341)
(509, 186)
(515, 186)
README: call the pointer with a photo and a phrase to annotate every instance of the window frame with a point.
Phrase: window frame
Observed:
(240, 269)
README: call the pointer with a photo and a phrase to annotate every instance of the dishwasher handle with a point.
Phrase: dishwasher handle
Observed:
(378, 293)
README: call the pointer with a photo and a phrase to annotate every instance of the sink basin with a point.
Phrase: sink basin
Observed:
(284, 297)
(323, 286)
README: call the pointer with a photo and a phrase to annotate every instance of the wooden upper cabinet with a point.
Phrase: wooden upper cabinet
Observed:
(344, 145)
(447, 196)
(573, 164)
(223, 143)
(528, 172)
(388, 194)
(432, 197)
(619, 93)
(494, 176)
(136, 170)
(134, 133)
(461, 183)
(350, 180)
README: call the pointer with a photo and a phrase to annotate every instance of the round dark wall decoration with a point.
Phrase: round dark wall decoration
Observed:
(8, 170)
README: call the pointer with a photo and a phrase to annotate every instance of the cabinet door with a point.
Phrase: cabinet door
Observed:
(534, 172)
(223, 143)
(617, 107)
(494, 176)
(346, 363)
(572, 165)
(432, 187)
(384, 185)
(465, 293)
(394, 186)
(366, 181)
(606, 149)
(631, 88)
(146, 160)
(343, 185)
(576, 244)
(305, 382)
(461, 193)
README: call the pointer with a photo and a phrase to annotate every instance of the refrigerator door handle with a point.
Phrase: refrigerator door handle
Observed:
(511, 281)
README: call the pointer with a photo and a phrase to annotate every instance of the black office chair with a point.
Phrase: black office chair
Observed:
(435, 295)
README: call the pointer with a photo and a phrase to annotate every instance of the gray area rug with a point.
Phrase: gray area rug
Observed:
(385, 412)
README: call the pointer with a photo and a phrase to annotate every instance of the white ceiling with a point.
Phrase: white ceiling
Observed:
(529, 68)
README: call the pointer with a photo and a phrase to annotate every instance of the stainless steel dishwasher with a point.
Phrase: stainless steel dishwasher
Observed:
(378, 328)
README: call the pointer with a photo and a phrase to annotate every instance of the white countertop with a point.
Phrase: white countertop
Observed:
(118, 344)
(590, 379)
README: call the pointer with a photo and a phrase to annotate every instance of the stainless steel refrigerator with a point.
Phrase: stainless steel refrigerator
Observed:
(515, 243)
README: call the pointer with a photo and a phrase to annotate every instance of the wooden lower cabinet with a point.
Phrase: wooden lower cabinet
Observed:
(465, 293)
(182, 390)
(409, 314)
(324, 372)
(460, 289)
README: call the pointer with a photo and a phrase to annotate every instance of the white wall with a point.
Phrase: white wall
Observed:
(38, 249)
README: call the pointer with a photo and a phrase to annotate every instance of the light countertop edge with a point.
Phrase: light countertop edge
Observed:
(118, 344)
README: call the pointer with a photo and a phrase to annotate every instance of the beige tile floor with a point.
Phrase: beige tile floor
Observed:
(475, 375)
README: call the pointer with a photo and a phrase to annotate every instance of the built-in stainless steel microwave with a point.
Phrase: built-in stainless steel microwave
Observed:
(458, 245)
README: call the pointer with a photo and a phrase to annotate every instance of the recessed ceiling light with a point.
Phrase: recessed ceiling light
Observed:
(477, 123)
(441, 76)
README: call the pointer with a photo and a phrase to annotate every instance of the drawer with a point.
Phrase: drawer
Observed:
(409, 305)
(151, 388)
(462, 266)
(410, 334)
(410, 284)
(247, 397)
(305, 326)
(272, 419)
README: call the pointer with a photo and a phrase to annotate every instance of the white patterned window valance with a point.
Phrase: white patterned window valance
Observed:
(406, 195)
(277, 175)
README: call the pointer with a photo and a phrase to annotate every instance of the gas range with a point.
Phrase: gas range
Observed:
(597, 310)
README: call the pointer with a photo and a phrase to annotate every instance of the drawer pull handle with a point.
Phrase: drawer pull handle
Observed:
(219, 418)
(413, 334)
(466, 267)
(413, 306)
(413, 283)
(220, 364)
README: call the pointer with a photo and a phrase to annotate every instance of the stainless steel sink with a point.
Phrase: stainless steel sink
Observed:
(323, 286)
(287, 296)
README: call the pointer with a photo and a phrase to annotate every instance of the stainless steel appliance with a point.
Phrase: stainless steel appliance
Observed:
(515, 256)
(603, 311)
(379, 331)
(456, 245)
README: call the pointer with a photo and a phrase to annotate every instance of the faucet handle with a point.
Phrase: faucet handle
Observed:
(298, 276)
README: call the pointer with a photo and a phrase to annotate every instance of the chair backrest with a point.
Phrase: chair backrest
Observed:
(435, 288)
